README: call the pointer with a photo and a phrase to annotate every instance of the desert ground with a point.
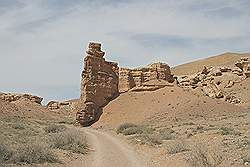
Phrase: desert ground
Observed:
(168, 127)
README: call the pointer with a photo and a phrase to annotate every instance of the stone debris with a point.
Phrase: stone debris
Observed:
(14, 97)
(54, 105)
(214, 81)
(244, 65)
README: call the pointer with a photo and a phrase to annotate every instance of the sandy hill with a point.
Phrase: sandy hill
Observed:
(162, 106)
(226, 59)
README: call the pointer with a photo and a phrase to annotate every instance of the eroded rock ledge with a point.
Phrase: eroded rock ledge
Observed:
(99, 85)
(15, 97)
(102, 81)
(216, 81)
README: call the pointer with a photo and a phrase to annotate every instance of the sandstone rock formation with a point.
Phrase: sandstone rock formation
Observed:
(102, 81)
(130, 78)
(54, 105)
(13, 97)
(244, 65)
(99, 84)
(215, 81)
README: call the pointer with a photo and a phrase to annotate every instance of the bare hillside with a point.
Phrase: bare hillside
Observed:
(226, 59)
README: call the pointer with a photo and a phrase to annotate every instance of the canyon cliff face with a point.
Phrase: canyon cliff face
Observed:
(102, 81)
(99, 85)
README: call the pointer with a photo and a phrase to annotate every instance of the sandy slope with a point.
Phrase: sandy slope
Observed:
(110, 151)
(226, 59)
(162, 106)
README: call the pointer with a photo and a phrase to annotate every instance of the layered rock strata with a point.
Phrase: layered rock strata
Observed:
(99, 84)
(102, 81)
(130, 78)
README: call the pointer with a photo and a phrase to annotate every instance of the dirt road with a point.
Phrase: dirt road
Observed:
(109, 151)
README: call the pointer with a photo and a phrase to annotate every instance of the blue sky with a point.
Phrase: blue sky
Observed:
(42, 42)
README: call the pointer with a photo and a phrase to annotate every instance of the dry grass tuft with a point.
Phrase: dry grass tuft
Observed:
(5, 153)
(72, 140)
(229, 131)
(33, 153)
(125, 126)
(53, 128)
(200, 156)
(177, 147)
(150, 139)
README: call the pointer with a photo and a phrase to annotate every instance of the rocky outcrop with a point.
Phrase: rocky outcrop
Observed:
(244, 65)
(215, 81)
(13, 97)
(99, 84)
(54, 105)
(130, 78)
(102, 81)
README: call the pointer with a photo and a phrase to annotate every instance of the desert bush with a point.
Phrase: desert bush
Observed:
(53, 128)
(228, 131)
(5, 153)
(124, 126)
(33, 153)
(166, 134)
(246, 158)
(72, 140)
(150, 139)
(177, 147)
(200, 156)
(132, 131)
(69, 121)
(18, 126)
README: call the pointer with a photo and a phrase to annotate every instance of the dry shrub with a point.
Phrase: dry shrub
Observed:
(72, 140)
(5, 153)
(125, 126)
(132, 131)
(166, 134)
(150, 139)
(33, 153)
(229, 131)
(53, 128)
(200, 156)
(18, 126)
(246, 158)
(177, 147)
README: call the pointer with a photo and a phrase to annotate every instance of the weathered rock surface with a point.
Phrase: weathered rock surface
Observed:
(102, 81)
(215, 81)
(66, 105)
(244, 65)
(99, 84)
(13, 97)
(130, 78)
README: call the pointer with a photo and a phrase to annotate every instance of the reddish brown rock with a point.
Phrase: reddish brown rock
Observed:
(102, 81)
(130, 78)
(99, 84)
